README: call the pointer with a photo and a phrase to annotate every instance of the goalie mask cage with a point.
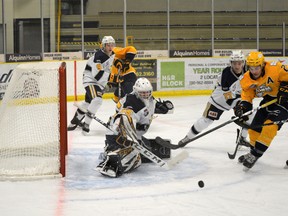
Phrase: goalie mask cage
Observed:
(33, 122)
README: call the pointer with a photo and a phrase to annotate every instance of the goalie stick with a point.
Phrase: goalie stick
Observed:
(162, 142)
(132, 134)
(142, 150)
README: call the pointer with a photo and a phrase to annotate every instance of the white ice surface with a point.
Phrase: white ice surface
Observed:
(152, 190)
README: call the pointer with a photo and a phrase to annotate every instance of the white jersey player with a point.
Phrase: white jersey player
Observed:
(224, 97)
(139, 107)
(95, 78)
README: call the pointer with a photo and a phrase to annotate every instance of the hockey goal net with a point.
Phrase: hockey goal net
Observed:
(33, 137)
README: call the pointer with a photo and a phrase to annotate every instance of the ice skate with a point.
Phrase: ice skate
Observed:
(186, 139)
(183, 141)
(85, 129)
(75, 122)
(248, 160)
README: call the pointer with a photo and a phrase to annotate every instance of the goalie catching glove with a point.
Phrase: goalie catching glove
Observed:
(164, 107)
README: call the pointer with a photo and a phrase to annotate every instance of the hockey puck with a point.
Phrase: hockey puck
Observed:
(286, 162)
(201, 184)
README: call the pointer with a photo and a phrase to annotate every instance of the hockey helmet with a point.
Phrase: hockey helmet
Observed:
(255, 59)
(143, 88)
(237, 55)
(107, 40)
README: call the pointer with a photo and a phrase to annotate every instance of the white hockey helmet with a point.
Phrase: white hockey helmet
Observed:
(143, 88)
(107, 40)
(237, 55)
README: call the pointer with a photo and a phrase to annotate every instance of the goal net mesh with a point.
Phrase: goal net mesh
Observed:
(29, 122)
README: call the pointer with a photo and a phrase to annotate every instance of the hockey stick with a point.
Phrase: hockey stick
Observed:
(142, 150)
(95, 118)
(232, 156)
(119, 84)
(162, 142)
(271, 123)
(157, 160)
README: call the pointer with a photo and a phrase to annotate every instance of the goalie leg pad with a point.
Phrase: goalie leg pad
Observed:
(123, 141)
(130, 159)
(111, 165)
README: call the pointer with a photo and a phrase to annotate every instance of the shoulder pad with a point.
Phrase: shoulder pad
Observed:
(100, 55)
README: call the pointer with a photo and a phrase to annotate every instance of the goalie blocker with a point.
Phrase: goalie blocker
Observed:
(160, 151)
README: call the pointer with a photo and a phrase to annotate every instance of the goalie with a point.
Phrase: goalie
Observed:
(134, 115)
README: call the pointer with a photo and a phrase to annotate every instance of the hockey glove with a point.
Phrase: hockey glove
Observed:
(163, 107)
(241, 108)
(282, 96)
(118, 63)
(126, 66)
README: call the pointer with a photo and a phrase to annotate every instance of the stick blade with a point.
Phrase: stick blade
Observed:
(231, 156)
(177, 159)
(164, 143)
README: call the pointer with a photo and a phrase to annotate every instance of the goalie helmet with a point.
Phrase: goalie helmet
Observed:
(107, 40)
(255, 59)
(237, 55)
(143, 89)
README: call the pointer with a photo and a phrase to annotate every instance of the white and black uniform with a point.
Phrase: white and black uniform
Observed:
(224, 97)
(95, 78)
(97, 69)
(142, 113)
(228, 82)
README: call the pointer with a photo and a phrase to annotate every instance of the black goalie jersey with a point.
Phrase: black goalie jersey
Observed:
(142, 112)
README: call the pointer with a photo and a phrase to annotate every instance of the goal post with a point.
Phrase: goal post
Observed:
(33, 122)
(63, 118)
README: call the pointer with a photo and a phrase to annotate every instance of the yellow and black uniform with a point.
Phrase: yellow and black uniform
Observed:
(122, 71)
(266, 86)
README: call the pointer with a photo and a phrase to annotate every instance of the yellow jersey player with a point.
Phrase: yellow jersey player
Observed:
(123, 75)
(267, 80)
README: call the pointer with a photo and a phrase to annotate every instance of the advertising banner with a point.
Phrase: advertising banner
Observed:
(190, 74)
(147, 68)
(62, 56)
(203, 73)
(190, 53)
(6, 71)
(228, 52)
(23, 57)
(152, 54)
(272, 52)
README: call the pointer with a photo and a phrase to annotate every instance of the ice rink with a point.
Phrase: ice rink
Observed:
(152, 190)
